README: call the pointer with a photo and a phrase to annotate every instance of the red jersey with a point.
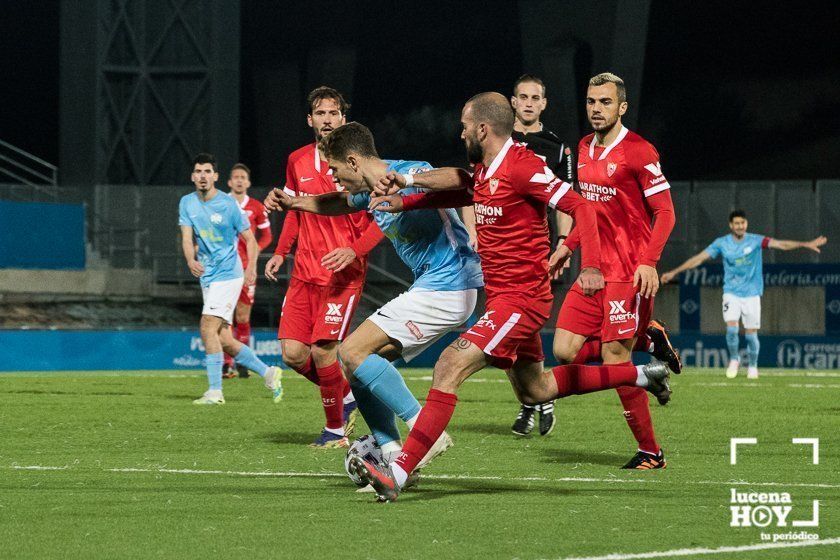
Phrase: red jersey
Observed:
(509, 198)
(307, 175)
(260, 226)
(625, 182)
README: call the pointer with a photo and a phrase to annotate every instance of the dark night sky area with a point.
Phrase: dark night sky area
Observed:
(730, 90)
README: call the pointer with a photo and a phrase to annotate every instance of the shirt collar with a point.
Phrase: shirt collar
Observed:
(621, 134)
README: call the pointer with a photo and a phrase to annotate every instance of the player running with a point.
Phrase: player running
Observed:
(447, 275)
(510, 190)
(324, 291)
(213, 220)
(743, 283)
(239, 183)
(620, 173)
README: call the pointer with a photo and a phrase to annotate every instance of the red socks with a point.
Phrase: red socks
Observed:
(637, 413)
(433, 419)
(577, 379)
(589, 352)
(331, 382)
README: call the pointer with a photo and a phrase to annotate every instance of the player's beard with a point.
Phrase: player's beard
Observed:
(475, 153)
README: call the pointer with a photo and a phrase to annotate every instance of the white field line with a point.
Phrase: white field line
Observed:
(300, 474)
(706, 551)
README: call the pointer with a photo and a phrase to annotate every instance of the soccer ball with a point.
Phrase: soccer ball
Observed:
(366, 448)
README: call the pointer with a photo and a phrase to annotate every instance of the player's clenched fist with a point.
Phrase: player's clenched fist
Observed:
(273, 265)
(277, 200)
(591, 280)
(391, 204)
(389, 184)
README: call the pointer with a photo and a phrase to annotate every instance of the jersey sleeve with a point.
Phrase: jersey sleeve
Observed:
(240, 219)
(291, 186)
(263, 225)
(714, 248)
(765, 241)
(183, 217)
(532, 178)
(648, 170)
(288, 234)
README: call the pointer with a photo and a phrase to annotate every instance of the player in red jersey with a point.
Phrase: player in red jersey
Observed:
(509, 192)
(328, 276)
(620, 173)
(239, 183)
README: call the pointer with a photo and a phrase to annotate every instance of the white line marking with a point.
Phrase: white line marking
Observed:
(703, 551)
(733, 447)
(37, 468)
(282, 474)
(814, 443)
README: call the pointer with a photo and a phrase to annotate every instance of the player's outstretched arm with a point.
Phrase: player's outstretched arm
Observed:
(692, 262)
(398, 203)
(442, 179)
(329, 204)
(788, 245)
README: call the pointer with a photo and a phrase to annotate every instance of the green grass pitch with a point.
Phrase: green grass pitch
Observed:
(123, 465)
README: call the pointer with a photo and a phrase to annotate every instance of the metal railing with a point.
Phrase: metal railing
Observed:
(27, 169)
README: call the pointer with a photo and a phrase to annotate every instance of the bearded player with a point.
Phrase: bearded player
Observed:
(239, 183)
(509, 191)
(620, 173)
(324, 291)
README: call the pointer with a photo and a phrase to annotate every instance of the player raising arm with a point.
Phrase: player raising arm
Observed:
(743, 283)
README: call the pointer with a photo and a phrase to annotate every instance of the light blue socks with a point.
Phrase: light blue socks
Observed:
(214, 370)
(247, 358)
(386, 383)
(753, 346)
(732, 342)
(380, 419)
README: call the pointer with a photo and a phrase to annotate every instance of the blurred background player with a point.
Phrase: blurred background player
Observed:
(213, 220)
(528, 102)
(620, 174)
(447, 275)
(743, 283)
(326, 283)
(239, 183)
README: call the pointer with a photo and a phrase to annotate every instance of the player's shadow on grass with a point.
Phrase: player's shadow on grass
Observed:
(486, 429)
(484, 487)
(287, 436)
(573, 457)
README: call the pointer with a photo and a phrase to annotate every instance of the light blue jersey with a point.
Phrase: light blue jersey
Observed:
(742, 268)
(433, 243)
(217, 224)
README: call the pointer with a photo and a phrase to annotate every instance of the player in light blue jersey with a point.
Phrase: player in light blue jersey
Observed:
(447, 275)
(743, 283)
(211, 224)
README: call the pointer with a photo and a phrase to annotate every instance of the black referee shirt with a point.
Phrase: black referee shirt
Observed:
(558, 155)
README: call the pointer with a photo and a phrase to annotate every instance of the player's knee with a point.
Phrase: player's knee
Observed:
(324, 355)
(295, 355)
(242, 315)
(351, 357)
(564, 354)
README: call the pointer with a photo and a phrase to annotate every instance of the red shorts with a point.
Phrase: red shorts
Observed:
(246, 296)
(311, 312)
(617, 312)
(510, 328)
